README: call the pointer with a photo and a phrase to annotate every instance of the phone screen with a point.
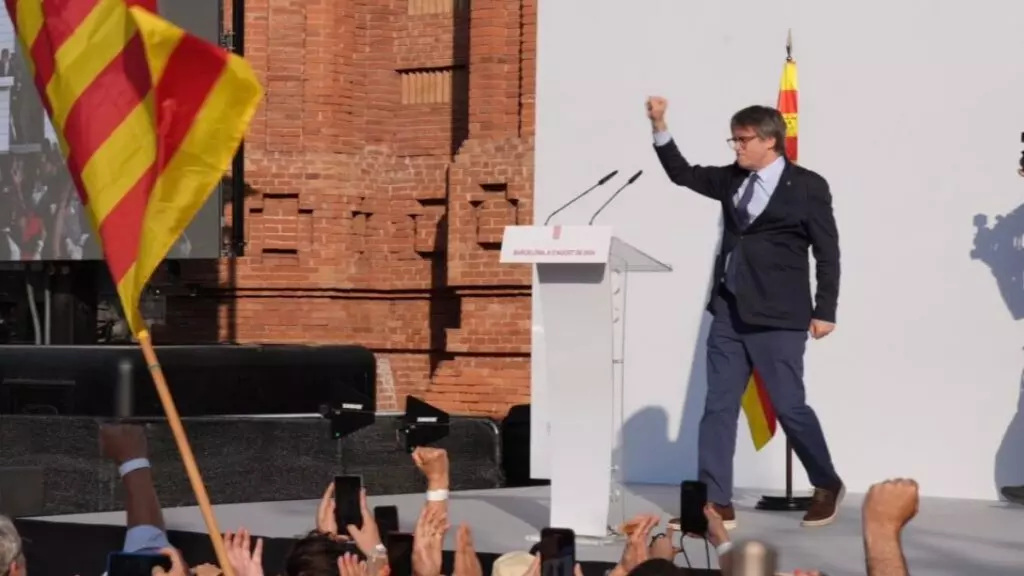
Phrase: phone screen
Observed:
(693, 496)
(399, 545)
(557, 552)
(386, 518)
(346, 502)
(134, 564)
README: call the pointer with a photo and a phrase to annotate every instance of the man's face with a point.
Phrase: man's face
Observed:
(752, 151)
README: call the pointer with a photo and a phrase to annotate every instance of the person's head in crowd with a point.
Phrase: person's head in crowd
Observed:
(18, 172)
(656, 567)
(754, 557)
(513, 564)
(316, 555)
(12, 553)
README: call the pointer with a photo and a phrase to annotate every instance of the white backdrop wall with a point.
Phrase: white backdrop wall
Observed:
(913, 111)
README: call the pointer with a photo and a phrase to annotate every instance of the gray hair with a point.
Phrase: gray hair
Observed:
(10, 544)
(766, 122)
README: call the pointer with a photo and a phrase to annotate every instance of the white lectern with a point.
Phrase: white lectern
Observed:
(581, 272)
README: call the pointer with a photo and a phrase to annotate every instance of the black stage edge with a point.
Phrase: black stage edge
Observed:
(241, 460)
(83, 550)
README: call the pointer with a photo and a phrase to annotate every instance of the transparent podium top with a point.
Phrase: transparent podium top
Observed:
(632, 259)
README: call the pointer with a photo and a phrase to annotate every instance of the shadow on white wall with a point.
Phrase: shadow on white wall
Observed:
(647, 449)
(1001, 248)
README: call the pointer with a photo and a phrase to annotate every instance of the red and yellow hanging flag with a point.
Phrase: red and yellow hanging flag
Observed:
(756, 404)
(760, 413)
(148, 118)
(788, 106)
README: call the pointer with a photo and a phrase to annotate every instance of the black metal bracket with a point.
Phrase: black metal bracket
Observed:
(422, 424)
(349, 413)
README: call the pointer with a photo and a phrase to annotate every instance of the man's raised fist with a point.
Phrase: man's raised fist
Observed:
(432, 462)
(656, 106)
(123, 442)
(891, 504)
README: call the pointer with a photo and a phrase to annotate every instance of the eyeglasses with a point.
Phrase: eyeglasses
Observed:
(740, 142)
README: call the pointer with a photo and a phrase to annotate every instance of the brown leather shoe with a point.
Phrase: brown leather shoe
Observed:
(728, 514)
(824, 506)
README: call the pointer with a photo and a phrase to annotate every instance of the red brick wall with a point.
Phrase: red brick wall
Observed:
(375, 221)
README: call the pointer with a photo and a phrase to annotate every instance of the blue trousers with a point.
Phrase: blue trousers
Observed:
(733, 349)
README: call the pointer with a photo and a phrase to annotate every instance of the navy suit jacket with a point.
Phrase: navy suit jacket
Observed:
(773, 286)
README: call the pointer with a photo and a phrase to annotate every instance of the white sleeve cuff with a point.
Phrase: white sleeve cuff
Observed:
(662, 138)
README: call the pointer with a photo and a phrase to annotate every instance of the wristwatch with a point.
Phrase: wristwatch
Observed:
(379, 551)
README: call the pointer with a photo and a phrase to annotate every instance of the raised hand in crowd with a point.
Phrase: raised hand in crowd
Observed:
(888, 507)
(247, 560)
(123, 442)
(717, 534)
(125, 445)
(325, 520)
(433, 464)
(350, 565)
(662, 545)
(177, 564)
(428, 542)
(467, 563)
(637, 550)
(367, 538)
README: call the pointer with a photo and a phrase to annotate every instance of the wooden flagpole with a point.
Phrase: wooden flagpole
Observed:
(189, 459)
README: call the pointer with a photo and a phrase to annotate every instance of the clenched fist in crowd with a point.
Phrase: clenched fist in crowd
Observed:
(891, 504)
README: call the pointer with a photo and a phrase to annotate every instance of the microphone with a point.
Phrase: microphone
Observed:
(600, 182)
(632, 179)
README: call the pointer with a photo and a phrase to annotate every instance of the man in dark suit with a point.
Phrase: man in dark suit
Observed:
(773, 211)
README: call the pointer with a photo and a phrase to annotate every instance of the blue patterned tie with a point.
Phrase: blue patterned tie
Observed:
(742, 207)
(743, 215)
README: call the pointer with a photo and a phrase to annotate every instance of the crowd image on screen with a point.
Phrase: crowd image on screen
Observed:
(41, 216)
(41, 213)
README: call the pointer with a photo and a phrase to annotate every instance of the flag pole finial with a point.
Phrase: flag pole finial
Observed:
(789, 45)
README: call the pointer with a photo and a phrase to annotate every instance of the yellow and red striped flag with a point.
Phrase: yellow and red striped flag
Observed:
(760, 413)
(788, 106)
(756, 404)
(148, 118)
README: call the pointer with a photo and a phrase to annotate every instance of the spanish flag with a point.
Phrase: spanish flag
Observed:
(756, 404)
(787, 105)
(148, 118)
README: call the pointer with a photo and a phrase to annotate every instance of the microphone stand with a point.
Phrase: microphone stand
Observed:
(600, 182)
(632, 179)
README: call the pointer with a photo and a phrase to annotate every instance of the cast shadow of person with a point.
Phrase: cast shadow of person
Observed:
(1010, 455)
(645, 448)
(1001, 248)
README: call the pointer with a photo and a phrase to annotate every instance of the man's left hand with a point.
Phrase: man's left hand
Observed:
(819, 329)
